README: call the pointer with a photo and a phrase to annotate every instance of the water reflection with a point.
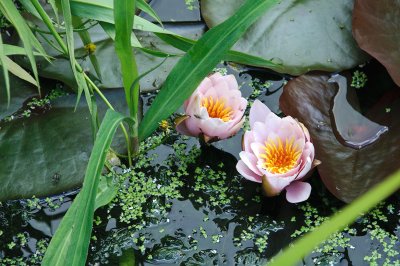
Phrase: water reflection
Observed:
(351, 128)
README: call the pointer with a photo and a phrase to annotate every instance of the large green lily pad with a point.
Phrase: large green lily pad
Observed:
(302, 35)
(48, 153)
(19, 92)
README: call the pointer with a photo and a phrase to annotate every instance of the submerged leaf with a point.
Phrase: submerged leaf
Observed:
(376, 28)
(346, 172)
(303, 35)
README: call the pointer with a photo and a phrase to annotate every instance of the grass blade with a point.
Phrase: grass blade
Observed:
(184, 44)
(110, 30)
(303, 246)
(18, 71)
(3, 63)
(69, 245)
(102, 10)
(145, 7)
(124, 12)
(80, 79)
(199, 61)
(28, 39)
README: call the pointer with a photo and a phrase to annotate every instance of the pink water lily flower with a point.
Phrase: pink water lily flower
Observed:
(277, 152)
(215, 110)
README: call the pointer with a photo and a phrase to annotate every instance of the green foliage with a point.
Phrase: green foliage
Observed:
(124, 11)
(198, 62)
(69, 246)
(8, 10)
(185, 44)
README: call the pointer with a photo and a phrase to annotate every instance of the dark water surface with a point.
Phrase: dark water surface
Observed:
(184, 204)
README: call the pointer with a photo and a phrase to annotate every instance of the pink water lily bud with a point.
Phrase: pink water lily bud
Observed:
(278, 153)
(215, 109)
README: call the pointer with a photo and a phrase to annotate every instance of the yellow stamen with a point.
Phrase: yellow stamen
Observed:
(217, 108)
(280, 157)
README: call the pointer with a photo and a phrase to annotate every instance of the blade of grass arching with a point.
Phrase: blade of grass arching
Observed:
(3, 63)
(80, 79)
(124, 12)
(18, 71)
(53, 5)
(110, 30)
(28, 39)
(69, 245)
(102, 10)
(86, 39)
(184, 44)
(17, 50)
(199, 61)
(304, 245)
(28, 6)
(145, 7)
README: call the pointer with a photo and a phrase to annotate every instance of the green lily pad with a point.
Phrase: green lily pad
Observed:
(302, 35)
(48, 153)
(20, 91)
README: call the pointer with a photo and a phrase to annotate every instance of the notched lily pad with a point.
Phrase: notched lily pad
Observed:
(376, 28)
(48, 153)
(302, 35)
(346, 172)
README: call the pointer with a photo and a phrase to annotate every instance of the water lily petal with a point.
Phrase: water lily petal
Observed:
(258, 112)
(298, 192)
(251, 161)
(246, 172)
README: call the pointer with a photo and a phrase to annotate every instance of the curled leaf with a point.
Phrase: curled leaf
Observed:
(346, 172)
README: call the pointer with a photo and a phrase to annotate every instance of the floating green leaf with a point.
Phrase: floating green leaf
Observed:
(302, 35)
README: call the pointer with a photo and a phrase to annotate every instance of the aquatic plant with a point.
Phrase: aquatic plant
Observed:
(215, 110)
(278, 153)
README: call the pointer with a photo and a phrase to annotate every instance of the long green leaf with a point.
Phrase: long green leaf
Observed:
(3, 59)
(184, 44)
(28, 39)
(145, 7)
(16, 50)
(109, 28)
(102, 10)
(18, 71)
(124, 12)
(199, 61)
(80, 79)
(69, 245)
(303, 246)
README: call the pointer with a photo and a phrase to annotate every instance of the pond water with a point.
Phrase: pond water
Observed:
(185, 204)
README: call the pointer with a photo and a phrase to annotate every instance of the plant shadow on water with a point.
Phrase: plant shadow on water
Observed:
(185, 204)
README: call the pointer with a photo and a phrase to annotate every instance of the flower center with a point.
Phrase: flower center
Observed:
(280, 157)
(217, 108)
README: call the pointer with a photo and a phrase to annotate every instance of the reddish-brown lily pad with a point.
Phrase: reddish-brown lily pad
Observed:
(346, 172)
(376, 28)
